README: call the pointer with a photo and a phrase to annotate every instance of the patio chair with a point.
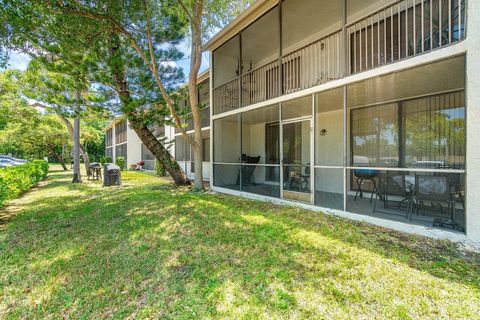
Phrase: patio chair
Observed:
(394, 184)
(362, 175)
(439, 191)
(305, 179)
(247, 171)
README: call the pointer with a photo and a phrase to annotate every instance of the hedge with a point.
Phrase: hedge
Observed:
(15, 180)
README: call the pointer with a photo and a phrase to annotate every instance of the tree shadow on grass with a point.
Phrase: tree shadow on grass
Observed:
(131, 251)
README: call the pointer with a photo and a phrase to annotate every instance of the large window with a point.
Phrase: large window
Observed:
(300, 44)
(148, 158)
(391, 147)
(261, 41)
(226, 70)
(413, 118)
(406, 138)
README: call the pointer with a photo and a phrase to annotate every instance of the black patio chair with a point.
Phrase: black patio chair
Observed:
(247, 171)
(394, 184)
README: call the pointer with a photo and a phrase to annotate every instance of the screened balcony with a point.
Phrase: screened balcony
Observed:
(307, 43)
(204, 104)
(121, 132)
(391, 146)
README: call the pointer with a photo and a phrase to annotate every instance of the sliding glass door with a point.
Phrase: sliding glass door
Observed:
(296, 163)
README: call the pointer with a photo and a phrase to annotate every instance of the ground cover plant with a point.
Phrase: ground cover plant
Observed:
(150, 250)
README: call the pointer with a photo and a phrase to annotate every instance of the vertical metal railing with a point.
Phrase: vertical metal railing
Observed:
(314, 64)
(260, 84)
(404, 29)
(205, 117)
(226, 96)
(188, 120)
(401, 30)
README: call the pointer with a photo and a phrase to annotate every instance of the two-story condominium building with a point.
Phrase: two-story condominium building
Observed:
(182, 150)
(122, 141)
(368, 109)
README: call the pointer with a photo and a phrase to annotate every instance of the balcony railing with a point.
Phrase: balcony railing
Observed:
(314, 64)
(260, 84)
(401, 30)
(226, 96)
(204, 118)
(405, 29)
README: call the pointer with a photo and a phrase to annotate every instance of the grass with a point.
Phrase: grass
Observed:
(150, 250)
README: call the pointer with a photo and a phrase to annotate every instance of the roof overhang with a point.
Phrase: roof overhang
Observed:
(203, 76)
(114, 121)
(255, 11)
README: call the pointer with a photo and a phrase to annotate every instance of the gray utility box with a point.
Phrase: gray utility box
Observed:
(111, 175)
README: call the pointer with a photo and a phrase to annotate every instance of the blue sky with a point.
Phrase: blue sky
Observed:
(20, 61)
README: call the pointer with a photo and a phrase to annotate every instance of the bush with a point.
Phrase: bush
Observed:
(120, 161)
(105, 159)
(15, 180)
(160, 169)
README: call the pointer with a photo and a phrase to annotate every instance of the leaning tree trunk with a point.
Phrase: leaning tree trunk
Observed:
(160, 153)
(146, 136)
(76, 151)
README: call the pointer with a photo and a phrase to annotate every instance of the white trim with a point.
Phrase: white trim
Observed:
(191, 131)
(328, 167)
(426, 95)
(389, 224)
(407, 169)
(421, 59)
(121, 143)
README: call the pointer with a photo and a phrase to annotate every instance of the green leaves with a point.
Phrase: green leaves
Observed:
(15, 180)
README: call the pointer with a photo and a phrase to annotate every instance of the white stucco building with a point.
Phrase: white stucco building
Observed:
(122, 141)
(364, 109)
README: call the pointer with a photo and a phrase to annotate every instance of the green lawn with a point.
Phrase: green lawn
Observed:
(149, 250)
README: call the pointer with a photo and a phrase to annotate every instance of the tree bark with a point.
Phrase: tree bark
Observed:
(195, 63)
(76, 150)
(83, 151)
(59, 158)
(160, 153)
(146, 136)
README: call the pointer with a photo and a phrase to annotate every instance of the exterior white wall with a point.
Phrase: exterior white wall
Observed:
(134, 146)
(470, 46)
(473, 122)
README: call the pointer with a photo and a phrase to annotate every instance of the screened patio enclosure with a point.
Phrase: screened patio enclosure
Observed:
(391, 146)
(297, 45)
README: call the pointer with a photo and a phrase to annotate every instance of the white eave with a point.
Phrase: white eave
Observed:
(255, 11)
(113, 122)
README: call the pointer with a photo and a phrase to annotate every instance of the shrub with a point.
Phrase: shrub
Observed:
(120, 161)
(105, 159)
(15, 180)
(160, 169)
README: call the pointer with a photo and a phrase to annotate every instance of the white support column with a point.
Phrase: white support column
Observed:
(473, 122)
(210, 90)
(114, 143)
